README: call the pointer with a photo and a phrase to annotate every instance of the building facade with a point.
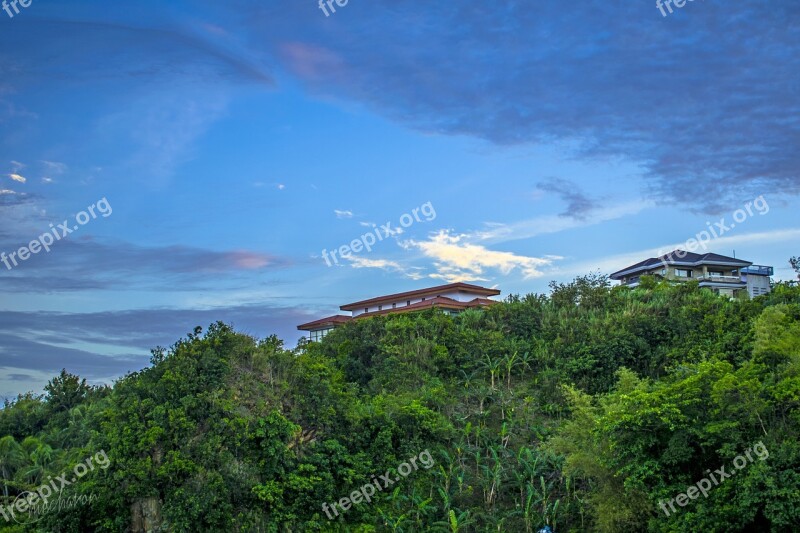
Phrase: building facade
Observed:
(724, 275)
(452, 298)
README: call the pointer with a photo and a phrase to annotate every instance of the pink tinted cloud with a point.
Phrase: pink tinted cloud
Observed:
(310, 62)
(248, 260)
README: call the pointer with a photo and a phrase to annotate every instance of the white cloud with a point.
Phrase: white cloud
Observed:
(357, 261)
(362, 262)
(17, 177)
(343, 213)
(17, 165)
(7, 191)
(456, 259)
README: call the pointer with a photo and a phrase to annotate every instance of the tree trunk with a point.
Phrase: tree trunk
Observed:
(146, 515)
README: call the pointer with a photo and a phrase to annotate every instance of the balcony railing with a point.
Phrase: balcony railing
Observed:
(758, 270)
(721, 279)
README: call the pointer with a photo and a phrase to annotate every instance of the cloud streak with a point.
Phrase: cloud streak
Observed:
(578, 204)
(72, 265)
(103, 346)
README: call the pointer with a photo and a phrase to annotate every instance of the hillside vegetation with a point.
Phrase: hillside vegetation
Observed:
(582, 410)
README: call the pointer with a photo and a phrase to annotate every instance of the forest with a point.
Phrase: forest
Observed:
(591, 408)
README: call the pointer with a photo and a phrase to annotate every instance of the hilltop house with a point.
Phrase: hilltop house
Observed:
(724, 275)
(452, 298)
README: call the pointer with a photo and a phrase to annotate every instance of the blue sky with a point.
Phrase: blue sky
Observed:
(235, 141)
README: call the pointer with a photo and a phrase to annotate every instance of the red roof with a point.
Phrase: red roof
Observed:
(440, 301)
(323, 323)
(420, 293)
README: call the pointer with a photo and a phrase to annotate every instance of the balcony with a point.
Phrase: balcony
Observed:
(758, 270)
(721, 279)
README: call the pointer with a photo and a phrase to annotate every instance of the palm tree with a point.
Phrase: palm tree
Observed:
(510, 361)
(493, 366)
(40, 456)
(12, 457)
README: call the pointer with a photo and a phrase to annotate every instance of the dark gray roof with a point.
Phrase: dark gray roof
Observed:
(680, 257)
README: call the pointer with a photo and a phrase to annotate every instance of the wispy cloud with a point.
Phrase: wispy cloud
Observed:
(104, 345)
(412, 272)
(17, 177)
(468, 256)
(173, 85)
(547, 224)
(10, 198)
(55, 167)
(343, 213)
(161, 131)
(72, 265)
(357, 261)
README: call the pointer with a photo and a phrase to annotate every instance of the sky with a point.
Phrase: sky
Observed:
(226, 148)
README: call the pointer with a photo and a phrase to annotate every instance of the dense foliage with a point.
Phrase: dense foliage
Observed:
(581, 410)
